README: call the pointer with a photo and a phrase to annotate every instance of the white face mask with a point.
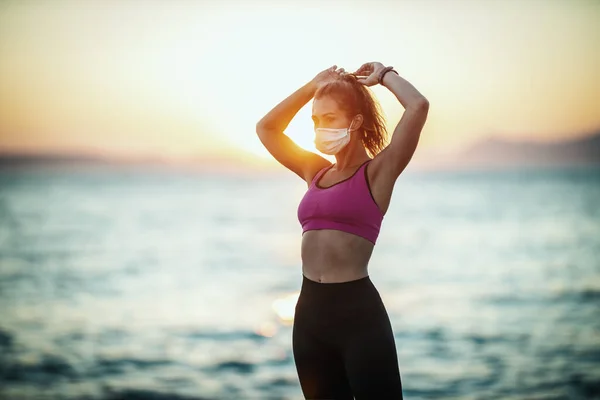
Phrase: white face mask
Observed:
(330, 141)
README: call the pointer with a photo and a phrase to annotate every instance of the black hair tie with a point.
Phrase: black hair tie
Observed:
(385, 71)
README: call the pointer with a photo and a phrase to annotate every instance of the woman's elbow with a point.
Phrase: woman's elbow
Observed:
(422, 104)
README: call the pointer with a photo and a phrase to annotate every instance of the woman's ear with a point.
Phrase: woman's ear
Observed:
(357, 122)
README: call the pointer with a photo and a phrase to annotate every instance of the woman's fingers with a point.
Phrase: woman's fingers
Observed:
(365, 69)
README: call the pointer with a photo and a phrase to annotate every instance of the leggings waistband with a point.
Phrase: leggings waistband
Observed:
(357, 282)
(349, 290)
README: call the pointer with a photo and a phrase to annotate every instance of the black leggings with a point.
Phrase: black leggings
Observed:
(343, 342)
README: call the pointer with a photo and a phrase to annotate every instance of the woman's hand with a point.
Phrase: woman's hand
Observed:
(327, 75)
(371, 70)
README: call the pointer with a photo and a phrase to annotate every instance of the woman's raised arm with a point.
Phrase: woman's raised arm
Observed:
(271, 127)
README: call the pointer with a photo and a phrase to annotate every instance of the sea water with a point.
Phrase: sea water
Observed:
(171, 285)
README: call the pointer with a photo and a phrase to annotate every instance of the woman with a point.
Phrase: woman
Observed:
(343, 342)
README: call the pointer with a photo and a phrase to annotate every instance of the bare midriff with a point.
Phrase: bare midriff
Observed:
(331, 256)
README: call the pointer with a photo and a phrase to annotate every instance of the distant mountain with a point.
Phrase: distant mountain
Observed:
(58, 160)
(235, 163)
(498, 153)
(15, 160)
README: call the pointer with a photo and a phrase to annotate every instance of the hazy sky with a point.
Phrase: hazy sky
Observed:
(184, 78)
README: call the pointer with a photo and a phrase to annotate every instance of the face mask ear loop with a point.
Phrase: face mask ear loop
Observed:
(351, 122)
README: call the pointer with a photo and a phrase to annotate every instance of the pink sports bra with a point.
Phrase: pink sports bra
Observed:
(346, 206)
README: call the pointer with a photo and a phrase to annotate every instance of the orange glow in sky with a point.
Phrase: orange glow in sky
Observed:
(184, 79)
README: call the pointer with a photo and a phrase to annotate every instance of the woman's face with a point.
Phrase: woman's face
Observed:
(326, 113)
